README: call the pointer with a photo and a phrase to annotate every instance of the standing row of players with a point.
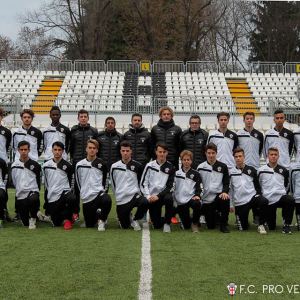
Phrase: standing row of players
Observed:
(193, 139)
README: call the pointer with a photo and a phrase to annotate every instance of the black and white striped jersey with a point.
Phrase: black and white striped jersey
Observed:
(273, 182)
(157, 179)
(215, 180)
(33, 136)
(125, 180)
(243, 185)
(52, 134)
(91, 178)
(226, 143)
(283, 141)
(5, 140)
(58, 178)
(297, 144)
(187, 185)
(295, 181)
(3, 174)
(252, 143)
(26, 177)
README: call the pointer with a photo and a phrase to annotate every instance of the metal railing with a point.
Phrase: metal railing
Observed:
(201, 66)
(267, 67)
(89, 65)
(130, 66)
(157, 66)
(168, 66)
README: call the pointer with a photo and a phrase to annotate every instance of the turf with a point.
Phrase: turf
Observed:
(49, 263)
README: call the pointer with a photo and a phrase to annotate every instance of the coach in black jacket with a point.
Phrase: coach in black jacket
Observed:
(140, 139)
(194, 139)
(109, 141)
(167, 132)
(80, 134)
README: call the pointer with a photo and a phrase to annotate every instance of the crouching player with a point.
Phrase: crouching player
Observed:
(91, 174)
(295, 189)
(156, 185)
(125, 175)
(187, 192)
(58, 182)
(274, 181)
(245, 192)
(3, 192)
(26, 174)
(215, 179)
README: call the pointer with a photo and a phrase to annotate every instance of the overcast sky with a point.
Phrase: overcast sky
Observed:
(9, 12)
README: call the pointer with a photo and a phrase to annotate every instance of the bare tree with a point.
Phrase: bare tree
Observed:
(7, 47)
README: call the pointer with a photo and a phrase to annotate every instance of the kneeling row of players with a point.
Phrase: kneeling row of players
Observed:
(155, 186)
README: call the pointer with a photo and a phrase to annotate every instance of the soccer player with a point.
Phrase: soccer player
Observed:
(156, 185)
(26, 174)
(215, 180)
(58, 182)
(295, 188)
(5, 138)
(246, 193)
(56, 132)
(80, 134)
(28, 133)
(274, 181)
(297, 143)
(3, 192)
(168, 133)
(251, 141)
(91, 174)
(194, 139)
(225, 140)
(125, 175)
(187, 192)
(281, 138)
(140, 139)
(109, 141)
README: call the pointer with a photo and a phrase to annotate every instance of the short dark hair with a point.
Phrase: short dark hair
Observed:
(211, 146)
(23, 143)
(237, 150)
(136, 115)
(82, 111)
(195, 117)
(58, 144)
(161, 145)
(55, 108)
(223, 114)
(126, 144)
(278, 111)
(248, 113)
(109, 118)
(2, 112)
(27, 111)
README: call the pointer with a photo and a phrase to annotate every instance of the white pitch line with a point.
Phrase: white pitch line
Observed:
(145, 287)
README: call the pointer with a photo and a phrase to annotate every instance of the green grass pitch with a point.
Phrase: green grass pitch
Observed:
(49, 263)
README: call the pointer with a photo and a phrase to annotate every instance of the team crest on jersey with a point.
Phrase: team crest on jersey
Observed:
(62, 130)
(143, 140)
(200, 141)
(31, 167)
(285, 134)
(231, 135)
(32, 132)
(99, 166)
(116, 142)
(280, 171)
(192, 176)
(249, 171)
(219, 169)
(167, 170)
(172, 132)
(2, 132)
(64, 167)
(255, 135)
(132, 168)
